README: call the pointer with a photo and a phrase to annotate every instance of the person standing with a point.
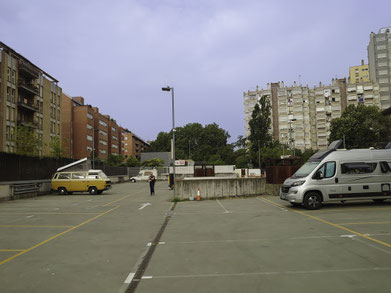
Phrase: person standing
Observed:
(151, 181)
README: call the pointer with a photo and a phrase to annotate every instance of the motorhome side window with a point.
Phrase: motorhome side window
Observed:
(328, 169)
(358, 168)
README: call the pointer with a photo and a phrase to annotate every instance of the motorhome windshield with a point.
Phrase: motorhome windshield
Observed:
(306, 169)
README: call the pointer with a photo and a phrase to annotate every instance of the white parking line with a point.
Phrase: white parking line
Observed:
(225, 210)
(276, 273)
(129, 278)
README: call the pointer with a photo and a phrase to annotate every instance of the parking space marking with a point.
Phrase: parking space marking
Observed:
(116, 200)
(33, 226)
(129, 278)
(273, 204)
(44, 213)
(352, 209)
(57, 235)
(331, 224)
(365, 223)
(347, 270)
(225, 210)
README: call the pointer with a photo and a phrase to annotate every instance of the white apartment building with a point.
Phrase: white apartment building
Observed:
(302, 116)
(379, 59)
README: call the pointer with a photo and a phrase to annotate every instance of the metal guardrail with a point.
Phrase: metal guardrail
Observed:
(18, 189)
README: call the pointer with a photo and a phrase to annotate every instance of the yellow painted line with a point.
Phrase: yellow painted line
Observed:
(329, 223)
(56, 236)
(358, 209)
(117, 200)
(43, 213)
(33, 226)
(12, 250)
(365, 223)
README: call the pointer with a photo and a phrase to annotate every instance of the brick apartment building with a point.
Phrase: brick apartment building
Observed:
(85, 128)
(133, 145)
(29, 97)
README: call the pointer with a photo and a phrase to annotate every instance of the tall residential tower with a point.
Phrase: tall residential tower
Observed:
(379, 58)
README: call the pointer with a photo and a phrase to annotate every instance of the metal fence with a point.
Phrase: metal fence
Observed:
(277, 170)
(17, 167)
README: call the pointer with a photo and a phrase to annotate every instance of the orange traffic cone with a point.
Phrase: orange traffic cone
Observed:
(198, 194)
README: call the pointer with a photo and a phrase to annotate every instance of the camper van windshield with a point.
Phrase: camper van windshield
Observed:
(305, 170)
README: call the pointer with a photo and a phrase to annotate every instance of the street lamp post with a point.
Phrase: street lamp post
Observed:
(291, 139)
(167, 89)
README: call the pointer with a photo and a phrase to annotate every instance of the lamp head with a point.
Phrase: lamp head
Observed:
(166, 89)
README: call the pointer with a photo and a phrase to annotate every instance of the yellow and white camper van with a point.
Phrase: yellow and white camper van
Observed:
(93, 181)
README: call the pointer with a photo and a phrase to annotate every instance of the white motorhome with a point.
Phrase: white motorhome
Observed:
(339, 175)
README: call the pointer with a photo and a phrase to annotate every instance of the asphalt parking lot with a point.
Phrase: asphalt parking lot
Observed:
(84, 243)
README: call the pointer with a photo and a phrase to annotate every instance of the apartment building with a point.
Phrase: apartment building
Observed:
(84, 129)
(29, 97)
(301, 115)
(359, 74)
(379, 59)
(114, 141)
(134, 145)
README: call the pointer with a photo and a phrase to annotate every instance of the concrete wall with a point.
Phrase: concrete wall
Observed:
(215, 187)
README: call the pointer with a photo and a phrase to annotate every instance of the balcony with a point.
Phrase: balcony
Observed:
(28, 87)
(27, 123)
(27, 69)
(24, 104)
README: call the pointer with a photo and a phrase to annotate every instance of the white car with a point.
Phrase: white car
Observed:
(143, 175)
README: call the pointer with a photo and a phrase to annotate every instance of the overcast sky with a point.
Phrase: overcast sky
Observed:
(118, 54)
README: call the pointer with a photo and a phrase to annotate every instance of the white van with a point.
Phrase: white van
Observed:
(143, 175)
(339, 175)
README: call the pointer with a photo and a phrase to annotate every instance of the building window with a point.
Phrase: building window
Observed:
(9, 74)
(89, 137)
(89, 116)
(8, 94)
(103, 123)
(89, 126)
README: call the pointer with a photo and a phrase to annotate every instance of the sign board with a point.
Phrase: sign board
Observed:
(180, 162)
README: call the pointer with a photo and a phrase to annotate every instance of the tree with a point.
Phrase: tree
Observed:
(132, 162)
(260, 124)
(26, 141)
(363, 127)
(55, 146)
(193, 141)
(153, 163)
(115, 160)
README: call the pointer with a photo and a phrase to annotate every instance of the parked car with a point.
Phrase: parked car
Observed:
(143, 175)
(93, 181)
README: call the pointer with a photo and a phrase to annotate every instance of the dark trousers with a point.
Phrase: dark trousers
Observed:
(152, 187)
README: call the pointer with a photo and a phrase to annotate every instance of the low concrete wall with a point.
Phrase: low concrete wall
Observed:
(215, 187)
(5, 192)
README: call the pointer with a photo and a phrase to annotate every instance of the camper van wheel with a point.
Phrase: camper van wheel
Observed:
(62, 191)
(312, 201)
(133, 180)
(93, 190)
